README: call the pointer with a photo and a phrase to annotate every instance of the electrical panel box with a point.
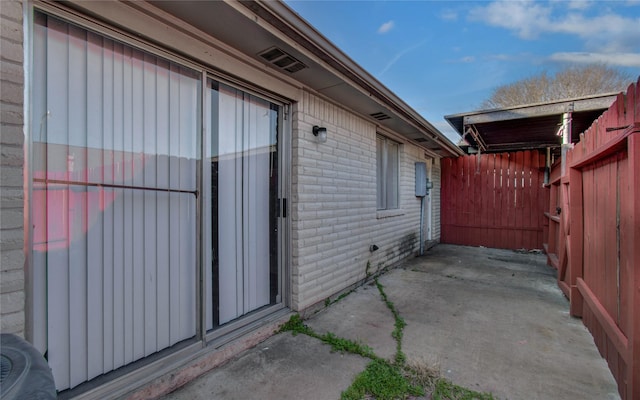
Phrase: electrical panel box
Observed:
(421, 179)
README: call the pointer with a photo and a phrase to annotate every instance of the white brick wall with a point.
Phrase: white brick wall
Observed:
(334, 218)
(11, 162)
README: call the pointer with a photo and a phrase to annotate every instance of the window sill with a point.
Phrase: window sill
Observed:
(380, 214)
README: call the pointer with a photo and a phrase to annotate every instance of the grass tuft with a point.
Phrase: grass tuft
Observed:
(419, 372)
(295, 325)
(348, 346)
(383, 381)
(445, 390)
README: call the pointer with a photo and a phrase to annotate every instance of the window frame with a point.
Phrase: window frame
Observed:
(386, 178)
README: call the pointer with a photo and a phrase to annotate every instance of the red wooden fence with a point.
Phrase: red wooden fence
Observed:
(494, 200)
(594, 235)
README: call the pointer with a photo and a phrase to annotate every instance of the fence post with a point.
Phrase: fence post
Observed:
(633, 369)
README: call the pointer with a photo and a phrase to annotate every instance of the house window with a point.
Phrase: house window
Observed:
(387, 170)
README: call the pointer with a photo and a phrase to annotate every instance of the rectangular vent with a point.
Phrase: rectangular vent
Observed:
(380, 116)
(272, 54)
(282, 60)
(296, 67)
(420, 140)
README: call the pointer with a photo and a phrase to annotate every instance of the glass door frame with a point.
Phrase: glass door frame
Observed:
(243, 324)
(165, 360)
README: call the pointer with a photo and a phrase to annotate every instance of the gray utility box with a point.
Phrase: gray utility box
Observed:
(422, 181)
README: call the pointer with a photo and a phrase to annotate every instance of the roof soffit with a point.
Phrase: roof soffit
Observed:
(253, 26)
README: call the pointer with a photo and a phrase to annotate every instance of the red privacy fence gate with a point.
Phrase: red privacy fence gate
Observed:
(494, 200)
(594, 235)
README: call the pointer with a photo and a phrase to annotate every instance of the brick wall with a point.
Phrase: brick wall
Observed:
(11, 162)
(334, 217)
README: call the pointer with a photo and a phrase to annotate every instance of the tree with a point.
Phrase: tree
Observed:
(571, 82)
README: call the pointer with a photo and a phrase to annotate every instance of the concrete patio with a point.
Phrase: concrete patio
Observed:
(491, 320)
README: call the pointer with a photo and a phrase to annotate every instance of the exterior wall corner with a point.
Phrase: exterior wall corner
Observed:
(12, 282)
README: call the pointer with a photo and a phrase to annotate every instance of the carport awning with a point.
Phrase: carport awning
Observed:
(531, 126)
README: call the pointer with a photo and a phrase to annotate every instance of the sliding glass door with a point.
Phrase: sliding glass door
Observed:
(115, 151)
(132, 206)
(243, 241)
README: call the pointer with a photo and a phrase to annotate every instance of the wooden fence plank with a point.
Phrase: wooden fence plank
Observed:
(632, 261)
(537, 198)
(485, 193)
(491, 206)
(626, 273)
(519, 194)
(611, 245)
(576, 241)
(483, 207)
(467, 235)
(504, 198)
(455, 192)
(552, 242)
(476, 195)
(526, 198)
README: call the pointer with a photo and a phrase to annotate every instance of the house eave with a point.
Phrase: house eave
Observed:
(330, 71)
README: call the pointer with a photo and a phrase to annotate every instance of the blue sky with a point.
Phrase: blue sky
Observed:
(445, 57)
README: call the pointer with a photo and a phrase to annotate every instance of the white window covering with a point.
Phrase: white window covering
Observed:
(115, 149)
(387, 171)
(243, 158)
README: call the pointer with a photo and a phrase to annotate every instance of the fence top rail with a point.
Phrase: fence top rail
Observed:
(614, 145)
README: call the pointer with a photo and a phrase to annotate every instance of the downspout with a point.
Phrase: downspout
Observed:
(422, 199)
(566, 136)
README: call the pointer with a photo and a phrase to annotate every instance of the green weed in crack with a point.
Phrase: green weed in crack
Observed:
(445, 390)
(381, 379)
(399, 325)
(295, 325)
(328, 302)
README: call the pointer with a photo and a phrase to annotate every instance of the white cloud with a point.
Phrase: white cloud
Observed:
(614, 59)
(468, 59)
(449, 15)
(528, 20)
(386, 27)
(579, 4)
(398, 56)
